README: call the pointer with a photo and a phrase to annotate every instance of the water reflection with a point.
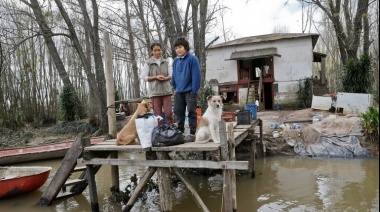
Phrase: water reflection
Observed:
(281, 184)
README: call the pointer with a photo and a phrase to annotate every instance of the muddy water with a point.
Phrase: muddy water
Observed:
(281, 184)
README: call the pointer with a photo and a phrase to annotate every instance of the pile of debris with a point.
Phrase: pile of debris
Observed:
(328, 135)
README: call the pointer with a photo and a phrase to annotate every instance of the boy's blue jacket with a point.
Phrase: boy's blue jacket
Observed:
(186, 74)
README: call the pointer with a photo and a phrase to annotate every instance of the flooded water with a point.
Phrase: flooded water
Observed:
(281, 184)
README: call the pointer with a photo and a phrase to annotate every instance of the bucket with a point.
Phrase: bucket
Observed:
(253, 108)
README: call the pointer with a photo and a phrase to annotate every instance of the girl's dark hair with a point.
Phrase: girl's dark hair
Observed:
(181, 41)
(155, 44)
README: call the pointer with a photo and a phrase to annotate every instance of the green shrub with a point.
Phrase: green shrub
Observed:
(305, 92)
(69, 105)
(357, 75)
(370, 121)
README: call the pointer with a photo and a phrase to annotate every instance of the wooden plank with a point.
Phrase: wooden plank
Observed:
(79, 169)
(74, 181)
(114, 147)
(239, 137)
(63, 172)
(63, 194)
(191, 147)
(243, 126)
(241, 165)
(299, 121)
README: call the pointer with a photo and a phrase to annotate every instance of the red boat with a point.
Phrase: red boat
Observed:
(33, 153)
(18, 180)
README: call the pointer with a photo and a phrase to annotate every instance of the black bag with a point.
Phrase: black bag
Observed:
(166, 135)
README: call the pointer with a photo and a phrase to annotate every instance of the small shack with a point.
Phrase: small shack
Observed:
(266, 68)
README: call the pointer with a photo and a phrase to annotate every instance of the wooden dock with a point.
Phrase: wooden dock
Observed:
(157, 159)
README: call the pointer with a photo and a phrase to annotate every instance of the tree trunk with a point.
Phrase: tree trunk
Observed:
(98, 81)
(132, 51)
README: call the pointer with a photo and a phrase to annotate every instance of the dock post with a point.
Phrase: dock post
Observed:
(92, 188)
(227, 175)
(164, 184)
(115, 172)
(253, 156)
(232, 157)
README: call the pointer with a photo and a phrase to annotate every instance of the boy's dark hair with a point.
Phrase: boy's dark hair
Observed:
(155, 44)
(183, 42)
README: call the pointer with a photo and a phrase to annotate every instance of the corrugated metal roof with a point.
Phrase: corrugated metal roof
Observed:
(267, 38)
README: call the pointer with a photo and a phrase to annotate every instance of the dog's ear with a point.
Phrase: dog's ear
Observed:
(221, 96)
(208, 98)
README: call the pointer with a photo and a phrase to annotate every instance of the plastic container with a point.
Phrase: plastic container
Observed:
(253, 108)
(273, 125)
(244, 117)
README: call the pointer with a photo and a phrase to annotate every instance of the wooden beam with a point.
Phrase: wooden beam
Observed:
(299, 121)
(92, 187)
(197, 198)
(241, 165)
(164, 184)
(232, 173)
(223, 141)
(139, 188)
(115, 172)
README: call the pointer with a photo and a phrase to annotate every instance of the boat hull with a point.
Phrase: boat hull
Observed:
(19, 180)
(26, 154)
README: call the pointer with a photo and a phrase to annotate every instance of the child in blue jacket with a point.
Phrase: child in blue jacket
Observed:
(186, 80)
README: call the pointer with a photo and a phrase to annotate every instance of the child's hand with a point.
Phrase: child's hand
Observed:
(160, 77)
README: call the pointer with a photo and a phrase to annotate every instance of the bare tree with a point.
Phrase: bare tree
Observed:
(347, 28)
(132, 50)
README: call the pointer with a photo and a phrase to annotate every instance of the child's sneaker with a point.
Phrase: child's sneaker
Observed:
(189, 138)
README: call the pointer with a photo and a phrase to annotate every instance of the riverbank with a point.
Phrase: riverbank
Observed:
(273, 145)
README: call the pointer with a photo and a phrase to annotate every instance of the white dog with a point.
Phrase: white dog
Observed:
(209, 123)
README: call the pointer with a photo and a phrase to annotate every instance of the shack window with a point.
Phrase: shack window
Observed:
(229, 92)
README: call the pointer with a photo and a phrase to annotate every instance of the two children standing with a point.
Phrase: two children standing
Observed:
(185, 76)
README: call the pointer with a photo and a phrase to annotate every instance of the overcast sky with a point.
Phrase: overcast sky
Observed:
(258, 17)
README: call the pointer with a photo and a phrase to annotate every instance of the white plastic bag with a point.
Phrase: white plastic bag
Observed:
(144, 127)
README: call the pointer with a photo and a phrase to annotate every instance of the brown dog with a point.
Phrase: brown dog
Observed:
(128, 134)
